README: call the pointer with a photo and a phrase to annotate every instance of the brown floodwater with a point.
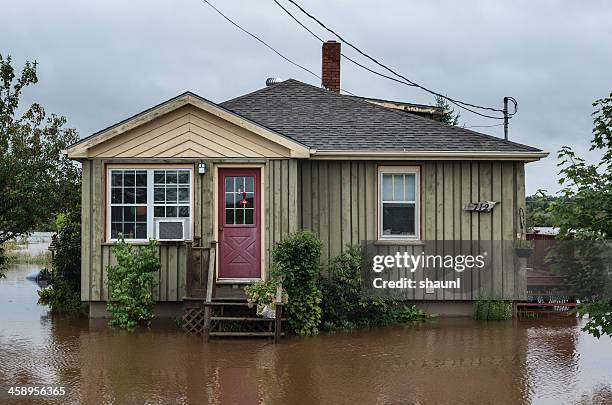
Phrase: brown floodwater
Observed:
(446, 361)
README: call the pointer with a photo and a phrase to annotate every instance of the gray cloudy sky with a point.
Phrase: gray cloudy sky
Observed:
(100, 62)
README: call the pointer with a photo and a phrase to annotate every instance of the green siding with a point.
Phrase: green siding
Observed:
(339, 203)
(280, 198)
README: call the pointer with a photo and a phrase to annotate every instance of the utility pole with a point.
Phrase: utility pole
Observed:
(506, 118)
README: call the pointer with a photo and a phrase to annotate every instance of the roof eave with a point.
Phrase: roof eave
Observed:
(79, 150)
(526, 156)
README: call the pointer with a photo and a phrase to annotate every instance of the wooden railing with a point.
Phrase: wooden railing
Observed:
(201, 271)
(278, 316)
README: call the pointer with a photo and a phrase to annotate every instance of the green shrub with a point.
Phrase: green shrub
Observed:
(345, 305)
(492, 310)
(130, 284)
(64, 292)
(296, 263)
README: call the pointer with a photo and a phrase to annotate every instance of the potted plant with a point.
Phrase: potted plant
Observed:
(263, 295)
(522, 248)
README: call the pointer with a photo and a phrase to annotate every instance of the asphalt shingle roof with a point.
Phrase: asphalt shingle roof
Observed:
(325, 120)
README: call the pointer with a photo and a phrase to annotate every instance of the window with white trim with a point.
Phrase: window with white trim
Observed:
(398, 202)
(138, 198)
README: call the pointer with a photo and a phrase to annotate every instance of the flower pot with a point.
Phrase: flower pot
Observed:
(523, 251)
(266, 312)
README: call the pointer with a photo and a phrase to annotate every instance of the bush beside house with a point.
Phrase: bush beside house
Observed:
(296, 264)
(130, 284)
(334, 301)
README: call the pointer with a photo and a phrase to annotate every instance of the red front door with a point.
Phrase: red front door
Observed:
(239, 223)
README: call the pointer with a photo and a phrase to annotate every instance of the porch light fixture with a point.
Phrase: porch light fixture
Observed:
(201, 168)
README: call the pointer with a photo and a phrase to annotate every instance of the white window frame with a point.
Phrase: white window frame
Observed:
(188, 229)
(416, 170)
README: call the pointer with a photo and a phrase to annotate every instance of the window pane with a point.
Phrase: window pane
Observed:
(250, 200)
(160, 194)
(229, 184)
(171, 177)
(184, 211)
(398, 219)
(141, 231)
(170, 212)
(183, 194)
(240, 216)
(183, 177)
(410, 187)
(116, 194)
(248, 216)
(116, 214)
(141, 195)
(141, 214)
(239, 184)
(117, 178)
(398, 187)
(129, 178)
(128, 230)
(248, 184)
(171, 195)
(387, 187)
(141, 178)
(129, 195)
(159, 177)
(229, 216)
(229, 200)
(159, 211)
(129, 214)
(116, 229)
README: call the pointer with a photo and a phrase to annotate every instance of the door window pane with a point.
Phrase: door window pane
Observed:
(248, 216)
(229, 216)
(239, 216)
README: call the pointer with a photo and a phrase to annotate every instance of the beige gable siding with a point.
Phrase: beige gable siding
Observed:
(338, 201)
(188, 132)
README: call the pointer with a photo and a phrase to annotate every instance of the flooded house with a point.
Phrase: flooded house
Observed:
(236, 177)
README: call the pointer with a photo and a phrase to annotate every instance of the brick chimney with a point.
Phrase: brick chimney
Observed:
(330, 66)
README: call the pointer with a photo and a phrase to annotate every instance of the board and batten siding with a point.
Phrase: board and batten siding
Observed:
(280, 196)
(338, 201)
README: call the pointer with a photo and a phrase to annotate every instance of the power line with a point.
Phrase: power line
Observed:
(461, 104)
(265, 43)
(343, 55)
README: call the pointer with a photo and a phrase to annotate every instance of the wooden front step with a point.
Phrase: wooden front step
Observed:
(244, 334)
(240, 318)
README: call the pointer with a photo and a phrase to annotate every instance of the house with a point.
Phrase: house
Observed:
(250, 171)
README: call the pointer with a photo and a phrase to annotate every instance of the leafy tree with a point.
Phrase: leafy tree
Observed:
(584, 212)
(36, 180)
(449, 117)
(64, 293)
(537, 209)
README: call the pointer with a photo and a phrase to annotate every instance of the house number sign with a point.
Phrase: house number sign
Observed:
(484, 206)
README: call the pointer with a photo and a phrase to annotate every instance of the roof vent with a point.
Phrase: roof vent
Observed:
(273, 80)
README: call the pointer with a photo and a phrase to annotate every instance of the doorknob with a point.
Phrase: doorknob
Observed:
(220, 228)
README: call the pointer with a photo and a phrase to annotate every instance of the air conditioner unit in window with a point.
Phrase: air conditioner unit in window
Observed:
(170, 230)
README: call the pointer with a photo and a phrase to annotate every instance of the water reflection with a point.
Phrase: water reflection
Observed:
(456, 361)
